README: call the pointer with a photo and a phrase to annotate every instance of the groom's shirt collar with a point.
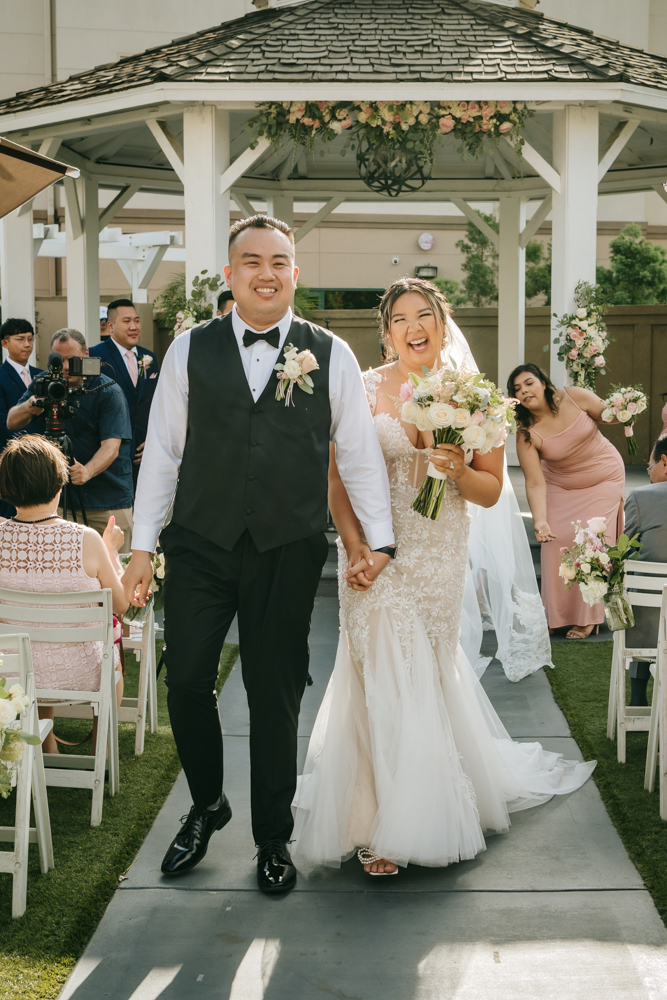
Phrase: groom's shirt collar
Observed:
(239, 327)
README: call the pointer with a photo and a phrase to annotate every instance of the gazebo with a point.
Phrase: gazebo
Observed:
(173, 119)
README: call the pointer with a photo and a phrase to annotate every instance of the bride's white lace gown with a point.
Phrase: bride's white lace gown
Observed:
(408, 756)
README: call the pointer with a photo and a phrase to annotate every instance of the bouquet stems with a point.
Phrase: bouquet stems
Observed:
(617, 610)
(631, 439)
(429, 500)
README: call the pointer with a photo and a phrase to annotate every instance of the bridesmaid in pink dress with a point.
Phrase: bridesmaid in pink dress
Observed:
(572, 473)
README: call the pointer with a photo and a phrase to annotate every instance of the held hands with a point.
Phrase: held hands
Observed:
(364, 566)
(449, 459)
(79, 474)
(137, 578)
(543, 532)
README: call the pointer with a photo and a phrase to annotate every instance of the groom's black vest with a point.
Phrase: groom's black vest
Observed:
(260, 466)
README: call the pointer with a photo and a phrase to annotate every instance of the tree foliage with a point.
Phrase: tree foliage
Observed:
(480, 265)
(538, 271)
(638, 272)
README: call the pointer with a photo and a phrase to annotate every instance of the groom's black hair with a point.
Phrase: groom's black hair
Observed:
(260, 222)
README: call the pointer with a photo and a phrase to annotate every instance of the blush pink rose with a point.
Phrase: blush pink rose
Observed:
(599, 361)
(574, 353)
(346, 122)
(322, 105)
(506, 127)
(477, 417)
(485, 126)
(503, 105)
(308, 361)
(405, 392)
(594, 349)
(447, 123)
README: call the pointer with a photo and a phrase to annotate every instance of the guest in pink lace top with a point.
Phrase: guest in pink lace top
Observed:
(42, 553)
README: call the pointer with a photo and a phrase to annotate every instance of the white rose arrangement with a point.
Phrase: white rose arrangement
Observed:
(458, 407)
(583, 339)
(13, 704)
(625, 404)
(294, 371)
(598, 568)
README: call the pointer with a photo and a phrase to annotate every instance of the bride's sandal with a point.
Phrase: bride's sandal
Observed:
(582, 631)
(368, 858)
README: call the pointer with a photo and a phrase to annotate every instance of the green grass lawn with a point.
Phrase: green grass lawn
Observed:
(580, 684)
(38, 951)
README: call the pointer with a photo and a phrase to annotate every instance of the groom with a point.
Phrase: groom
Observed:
(246, 537)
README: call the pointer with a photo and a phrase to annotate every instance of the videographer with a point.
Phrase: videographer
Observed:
(100, 434)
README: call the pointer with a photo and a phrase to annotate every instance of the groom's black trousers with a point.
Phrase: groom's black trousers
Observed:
(273, 593)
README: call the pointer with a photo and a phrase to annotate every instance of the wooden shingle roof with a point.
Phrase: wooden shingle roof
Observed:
(370, 41)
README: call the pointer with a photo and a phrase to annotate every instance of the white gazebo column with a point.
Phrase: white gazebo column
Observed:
(574, 234)
(281, 206)
(206, 157)
(82, 223)
(17, 267)
(511, 286)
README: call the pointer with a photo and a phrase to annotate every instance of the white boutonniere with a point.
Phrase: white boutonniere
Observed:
(295, 372)
(143, 364)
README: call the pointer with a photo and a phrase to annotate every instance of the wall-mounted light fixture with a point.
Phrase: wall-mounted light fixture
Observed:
(426, 271)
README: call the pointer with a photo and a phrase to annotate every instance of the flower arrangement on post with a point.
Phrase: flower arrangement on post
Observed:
(458, 407)
(181, 312)
(381, 122)
(583, 338)
(598, 568)
(13, 704)
(625, 405)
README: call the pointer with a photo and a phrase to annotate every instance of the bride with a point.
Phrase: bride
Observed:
(408, 761)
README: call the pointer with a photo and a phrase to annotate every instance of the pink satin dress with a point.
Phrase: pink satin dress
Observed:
(585, 476)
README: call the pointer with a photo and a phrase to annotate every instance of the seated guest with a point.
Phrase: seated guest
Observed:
(16, 374)
(136, 369)
(646, 516)
(101, 437)
(225, 302)
(42, 553)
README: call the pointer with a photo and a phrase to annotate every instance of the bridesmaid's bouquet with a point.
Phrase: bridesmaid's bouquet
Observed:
(598, 568)
(13, 704)
(625, 405)
(458, 407)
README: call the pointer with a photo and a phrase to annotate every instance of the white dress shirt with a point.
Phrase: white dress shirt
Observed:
(358, 453)
(21, 369)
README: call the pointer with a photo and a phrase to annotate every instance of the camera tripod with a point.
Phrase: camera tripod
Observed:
(71, 497)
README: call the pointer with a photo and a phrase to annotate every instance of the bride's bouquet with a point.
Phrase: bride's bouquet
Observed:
(458, 407)
(599, 568)
(625, 405)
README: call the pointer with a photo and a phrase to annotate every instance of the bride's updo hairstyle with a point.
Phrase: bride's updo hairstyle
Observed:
(524, 417)
(434, 297)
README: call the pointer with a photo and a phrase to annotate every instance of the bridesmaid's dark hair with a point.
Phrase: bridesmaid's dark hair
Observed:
(524, 417)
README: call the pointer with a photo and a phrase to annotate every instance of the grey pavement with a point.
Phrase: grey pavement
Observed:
(552, 909)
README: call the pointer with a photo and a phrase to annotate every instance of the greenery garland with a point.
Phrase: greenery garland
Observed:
(418, 124)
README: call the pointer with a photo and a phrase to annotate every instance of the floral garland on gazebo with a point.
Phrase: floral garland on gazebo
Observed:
(413, 123)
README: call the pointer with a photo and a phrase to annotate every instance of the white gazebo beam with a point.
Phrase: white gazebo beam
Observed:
(206, 145)
(660, 189)
(614, 144)
(169, 144)
(281, 206)
(318, 217)
(82, 216)
(476, 220)
(242, 163)
(244, 205)
(574, 232)
(17, 287)
(539, 216)
(511, 286)
(538, 163)
(118, 204)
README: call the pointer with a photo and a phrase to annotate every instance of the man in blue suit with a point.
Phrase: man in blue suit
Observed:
(16, 374)
(135, 369)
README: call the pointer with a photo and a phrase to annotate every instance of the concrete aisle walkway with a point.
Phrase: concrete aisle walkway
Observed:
(552, 910)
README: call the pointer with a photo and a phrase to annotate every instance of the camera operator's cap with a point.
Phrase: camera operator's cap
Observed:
(104, 310)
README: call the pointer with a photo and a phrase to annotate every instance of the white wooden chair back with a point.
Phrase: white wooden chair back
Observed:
(135, 710)
(48, 617)
(643, 586)
(657, 737)
(17, 663)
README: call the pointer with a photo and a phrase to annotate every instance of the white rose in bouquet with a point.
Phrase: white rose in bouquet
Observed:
(581, 314)
(462, 417)
(410, 412)
(442, 414)
(597, 524)
(8, 712)
(474, 436)
(567, 572)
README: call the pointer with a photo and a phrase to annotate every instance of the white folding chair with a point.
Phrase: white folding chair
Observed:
(17, 662)
(90, 615)
(644, 582)
(134, 710)
(657, 734)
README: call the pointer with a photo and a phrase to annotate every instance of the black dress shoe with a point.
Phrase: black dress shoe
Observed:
(190, 844)
(275, 871)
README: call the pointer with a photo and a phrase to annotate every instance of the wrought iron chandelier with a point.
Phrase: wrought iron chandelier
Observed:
(393, 169)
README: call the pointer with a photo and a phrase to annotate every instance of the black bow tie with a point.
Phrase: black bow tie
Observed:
(272, 337)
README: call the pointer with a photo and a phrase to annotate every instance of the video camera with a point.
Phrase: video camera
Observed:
(53, 392)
